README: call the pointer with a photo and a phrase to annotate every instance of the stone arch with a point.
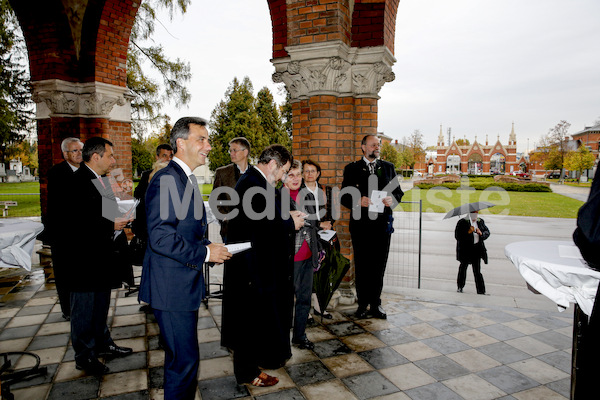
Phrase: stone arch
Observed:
(475, 162)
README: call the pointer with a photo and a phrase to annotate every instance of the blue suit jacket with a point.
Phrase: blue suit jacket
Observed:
(172, 278)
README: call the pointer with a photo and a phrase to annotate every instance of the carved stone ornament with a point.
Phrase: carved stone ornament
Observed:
(75, 11)
(95, 99)
(334, 68)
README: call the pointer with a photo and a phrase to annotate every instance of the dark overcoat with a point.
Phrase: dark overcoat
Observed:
(466, 248)
(258, 287)
(94, 264)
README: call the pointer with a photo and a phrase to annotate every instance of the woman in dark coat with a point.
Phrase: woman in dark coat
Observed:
(470, 233)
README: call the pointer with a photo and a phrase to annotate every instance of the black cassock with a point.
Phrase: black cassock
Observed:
(258, 287)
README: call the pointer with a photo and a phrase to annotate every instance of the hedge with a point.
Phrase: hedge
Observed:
(509, 187)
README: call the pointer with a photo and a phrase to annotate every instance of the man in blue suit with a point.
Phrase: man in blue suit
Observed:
(172, 281)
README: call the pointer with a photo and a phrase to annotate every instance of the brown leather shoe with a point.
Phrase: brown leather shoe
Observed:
(264, 380)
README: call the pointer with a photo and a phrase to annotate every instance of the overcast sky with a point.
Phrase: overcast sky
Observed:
(475, 66)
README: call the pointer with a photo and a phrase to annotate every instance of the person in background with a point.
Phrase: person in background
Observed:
(306, 257)
(228, 175)
(311, 172)
(470, 233)
(258, 293)
(370, 237)
(172, 278)
(60, 188)
(94, 265)
(164, 154)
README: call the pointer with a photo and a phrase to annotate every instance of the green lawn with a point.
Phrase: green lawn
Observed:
(531, 204)
(28, 206)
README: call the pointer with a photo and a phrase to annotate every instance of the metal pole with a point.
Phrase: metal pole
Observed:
(420, 235)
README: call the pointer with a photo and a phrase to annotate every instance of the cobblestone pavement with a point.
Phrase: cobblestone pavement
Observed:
(457, 346)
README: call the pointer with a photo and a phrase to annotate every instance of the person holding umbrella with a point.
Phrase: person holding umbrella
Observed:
(470, 234)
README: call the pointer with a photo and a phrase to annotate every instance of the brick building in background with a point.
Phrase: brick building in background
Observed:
(476, 158)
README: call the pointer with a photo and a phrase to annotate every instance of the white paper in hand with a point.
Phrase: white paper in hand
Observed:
(377, 201)
(327, 235)
(235, 248)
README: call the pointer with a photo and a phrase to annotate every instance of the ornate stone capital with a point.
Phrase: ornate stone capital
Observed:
(54, 97)
(334, 68)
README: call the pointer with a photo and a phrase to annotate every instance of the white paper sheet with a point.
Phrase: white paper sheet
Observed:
(377, 201)
(327, 235)
(569, 252)
(235, 248)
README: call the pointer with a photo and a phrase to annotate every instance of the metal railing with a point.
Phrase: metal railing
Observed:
(404, 260)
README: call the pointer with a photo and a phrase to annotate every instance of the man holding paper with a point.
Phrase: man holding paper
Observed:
(172, 280)
(371, 221)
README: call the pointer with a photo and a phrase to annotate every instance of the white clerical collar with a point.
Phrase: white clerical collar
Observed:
(74, 168)
(188, 171)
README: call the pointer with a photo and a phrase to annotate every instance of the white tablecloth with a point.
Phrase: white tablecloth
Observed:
(563, 280)
(17, 239)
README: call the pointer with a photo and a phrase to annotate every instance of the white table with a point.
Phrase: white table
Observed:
(564, 280)
(17, 239)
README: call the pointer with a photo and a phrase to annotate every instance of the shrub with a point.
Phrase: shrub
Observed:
(479, 185)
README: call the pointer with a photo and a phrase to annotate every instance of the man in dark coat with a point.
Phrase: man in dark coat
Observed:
(164, 153)
(93, 268)
(60, 188)
(470, 233)
(370, 230)
(258, 289)
(228, 175)
(172, 281)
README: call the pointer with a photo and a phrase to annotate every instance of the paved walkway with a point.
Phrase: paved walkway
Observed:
(575, 192)
(433, 346)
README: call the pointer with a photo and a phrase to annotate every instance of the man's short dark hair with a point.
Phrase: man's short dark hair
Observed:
(276, 152)
(95, 145)
(163, 147)
(242, 141)
(181, 129)
(364, 140)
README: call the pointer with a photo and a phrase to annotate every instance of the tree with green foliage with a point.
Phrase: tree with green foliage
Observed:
(240, 114)
(553, 160)
(270, 119)
(463, 142)
(414, 149)
(16, 106)
(151, 94)
(390, 154)
(579, 160)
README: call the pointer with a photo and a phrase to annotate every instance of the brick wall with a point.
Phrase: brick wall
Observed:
(374, 23)
(317, 21)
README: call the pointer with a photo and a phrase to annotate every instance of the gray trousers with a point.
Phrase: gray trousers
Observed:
(303, 282)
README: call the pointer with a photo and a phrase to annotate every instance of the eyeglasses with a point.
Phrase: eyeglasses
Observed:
(310, 171)
(235, 150)
(74, 151)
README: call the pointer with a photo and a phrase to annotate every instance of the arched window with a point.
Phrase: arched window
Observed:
(453, 164)
(475, 164)
(497, 163)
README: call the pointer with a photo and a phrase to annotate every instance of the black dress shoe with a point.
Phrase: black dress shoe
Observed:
(325, 315)
(115, 351)
(304, 343)
(361, 313)
(378, 312)
(92, 366)
(459, 290)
